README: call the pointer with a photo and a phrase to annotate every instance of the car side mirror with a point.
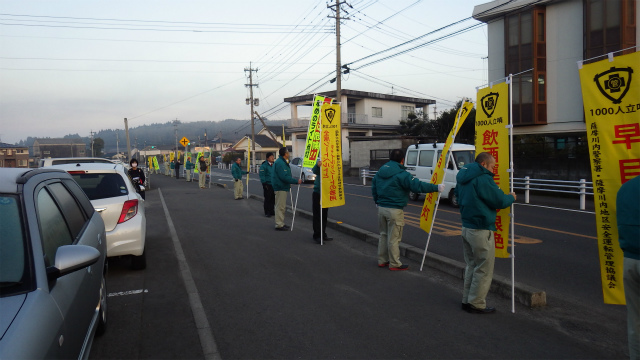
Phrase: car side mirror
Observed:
(70, 258)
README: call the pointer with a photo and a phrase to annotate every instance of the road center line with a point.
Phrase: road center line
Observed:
(130, 292)
(208, 343)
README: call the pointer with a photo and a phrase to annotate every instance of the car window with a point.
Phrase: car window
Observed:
(412, 157)
(53, 229)
(80, 196)
(426, 158)
(13, 264)
(70, 208)
(101, 186)
(463, 157)
(295, 161)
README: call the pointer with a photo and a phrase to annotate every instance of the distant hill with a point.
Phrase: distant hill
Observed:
(164, 134)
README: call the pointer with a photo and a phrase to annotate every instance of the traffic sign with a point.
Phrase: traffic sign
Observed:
(184, 141)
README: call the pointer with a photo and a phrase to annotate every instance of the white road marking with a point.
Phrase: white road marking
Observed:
(130, 292)
(207, 342)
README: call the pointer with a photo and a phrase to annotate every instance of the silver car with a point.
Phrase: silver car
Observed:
(112, 194)
(297, 172)
(53, 295)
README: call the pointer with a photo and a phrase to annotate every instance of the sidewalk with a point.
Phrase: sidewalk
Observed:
(275, 294)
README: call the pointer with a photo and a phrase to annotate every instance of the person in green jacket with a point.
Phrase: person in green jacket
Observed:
(479, 197)
(188, 167)
(237, 173)
(390, 188)
(281, 181)
(628, 218)
(265, 178)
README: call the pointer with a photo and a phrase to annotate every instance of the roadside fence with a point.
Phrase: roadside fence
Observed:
(582, 187)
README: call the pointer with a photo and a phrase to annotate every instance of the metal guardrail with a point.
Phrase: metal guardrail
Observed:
(580, 187)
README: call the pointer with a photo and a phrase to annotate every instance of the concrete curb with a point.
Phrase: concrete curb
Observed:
(501, 285)
(220, 185)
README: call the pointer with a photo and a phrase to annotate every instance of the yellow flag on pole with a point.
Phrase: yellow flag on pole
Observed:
(312, 146)
(332, 182)
(492, 136)
(426, 217)
(611, 97)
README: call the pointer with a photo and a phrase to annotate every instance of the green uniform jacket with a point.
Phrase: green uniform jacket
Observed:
(628, 209)
(391, 186)
(173, 165)
(237, 171)
(281, 179)
(189, 165)
(479, 197)
(265, 172)
(316, 184)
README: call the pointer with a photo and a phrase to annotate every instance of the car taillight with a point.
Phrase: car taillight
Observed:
(76, 172)
(129, 210)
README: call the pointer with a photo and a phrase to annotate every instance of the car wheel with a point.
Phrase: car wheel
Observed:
(139, 262)
(453, 199)
(414, 196)
(102, 315)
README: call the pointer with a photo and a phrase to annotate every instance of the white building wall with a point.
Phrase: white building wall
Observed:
(496, 66)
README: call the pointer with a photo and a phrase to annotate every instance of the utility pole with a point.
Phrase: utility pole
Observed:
(118, 143)
(252, 101)
(92, 153)
(126, 130)
(175, 125)
(338, 61)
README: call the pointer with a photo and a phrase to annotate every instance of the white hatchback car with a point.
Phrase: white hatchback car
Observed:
(113, 195)
(298, 172)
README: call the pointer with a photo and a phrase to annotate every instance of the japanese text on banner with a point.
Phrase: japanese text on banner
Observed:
(331, 182)
(426, 217)
(611, 97)
(312, 146)
(492, 136)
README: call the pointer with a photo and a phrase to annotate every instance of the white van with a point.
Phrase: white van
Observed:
(421, 159)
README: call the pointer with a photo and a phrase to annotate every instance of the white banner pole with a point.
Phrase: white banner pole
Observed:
(435, 209)
(513, 244)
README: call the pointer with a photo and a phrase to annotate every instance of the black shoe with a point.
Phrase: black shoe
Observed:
(465, 306)
(474, 310)
(401, 268)
(286, 227)
(327, 238)
(282, 229)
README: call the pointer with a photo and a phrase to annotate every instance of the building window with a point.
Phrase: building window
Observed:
(406, 110)
(45, 152)
(376, 112)
(609, 26)
(22, 162)
(525, 54)
(9, 152)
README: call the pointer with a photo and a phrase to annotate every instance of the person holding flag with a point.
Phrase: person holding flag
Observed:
(237, 173)
(202, 172)
(281, 181)
(390, 188)
(479, 197)
(265, 178)
(317, 169)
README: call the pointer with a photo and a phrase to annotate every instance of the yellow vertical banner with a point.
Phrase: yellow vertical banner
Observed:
(611, 97)
(171, 155)
(155, 163)
(312, 146)
(196, 170)
(492, 136)
(248, 155)
(332, 183)
(426, 216)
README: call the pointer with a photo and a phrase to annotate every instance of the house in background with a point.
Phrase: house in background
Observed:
(57, 148)
(550, 37)
(363, 114)
(263, 145)
(14, 156)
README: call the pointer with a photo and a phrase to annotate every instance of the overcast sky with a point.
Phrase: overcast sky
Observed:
(71, 66)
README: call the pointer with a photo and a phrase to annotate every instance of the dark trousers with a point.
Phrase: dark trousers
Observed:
(269, 199)
(316, 217)
(177, 172)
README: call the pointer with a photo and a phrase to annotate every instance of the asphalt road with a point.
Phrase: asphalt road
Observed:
(268, 294)
(556, 249)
